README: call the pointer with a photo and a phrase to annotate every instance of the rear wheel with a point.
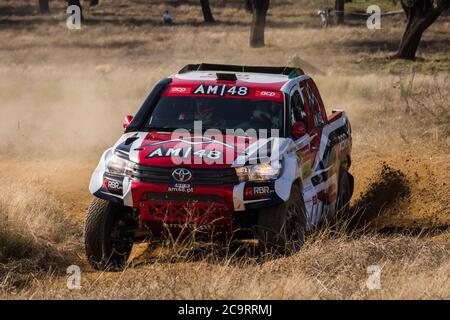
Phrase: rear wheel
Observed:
(109, 232)
(281, 229)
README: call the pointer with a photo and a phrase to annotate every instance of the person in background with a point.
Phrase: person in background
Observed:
(167, 17)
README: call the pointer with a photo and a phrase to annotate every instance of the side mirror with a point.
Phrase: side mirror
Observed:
(298, 130)
(127, 121)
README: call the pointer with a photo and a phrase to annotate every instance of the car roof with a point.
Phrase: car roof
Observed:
(271, 78)
(262, 81)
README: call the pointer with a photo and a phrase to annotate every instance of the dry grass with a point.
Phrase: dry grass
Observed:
(411, 268)
(36, 237)
(63, 95)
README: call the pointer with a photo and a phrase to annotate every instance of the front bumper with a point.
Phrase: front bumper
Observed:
(178, 204)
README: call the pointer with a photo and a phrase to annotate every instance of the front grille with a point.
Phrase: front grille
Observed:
(182, 197)
(214, 177)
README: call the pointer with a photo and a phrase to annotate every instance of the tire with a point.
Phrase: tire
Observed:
(108, 236)
(281, 229)
(344, 195)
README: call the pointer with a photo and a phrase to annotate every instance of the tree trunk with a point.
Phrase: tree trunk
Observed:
(207, 14)
(259, 9)
(248, 6)
(93, 3)
(76, 3)
(43, 6)
(339, 7)
(409, 43)
(419, 16)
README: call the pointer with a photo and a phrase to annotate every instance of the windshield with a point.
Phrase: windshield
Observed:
(225, 113)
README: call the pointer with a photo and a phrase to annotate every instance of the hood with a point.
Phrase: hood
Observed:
(167, 150)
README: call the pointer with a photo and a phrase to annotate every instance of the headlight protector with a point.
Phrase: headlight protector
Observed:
(117, 165)
(259, 172)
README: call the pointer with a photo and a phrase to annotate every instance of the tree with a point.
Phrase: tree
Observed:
(420, 14)
(207, 14)
(248, 6)
(340, 7)
(259, 12)
(43, 6)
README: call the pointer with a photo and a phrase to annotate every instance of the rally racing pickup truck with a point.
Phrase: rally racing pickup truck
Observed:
(238, 151)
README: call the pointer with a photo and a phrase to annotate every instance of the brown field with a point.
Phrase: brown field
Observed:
(62, 98)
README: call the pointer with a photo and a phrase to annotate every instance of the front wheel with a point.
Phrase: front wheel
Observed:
(281, 229)
(344, 194)
(108, 236)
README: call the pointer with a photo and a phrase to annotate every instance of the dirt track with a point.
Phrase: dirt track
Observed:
(65, 101)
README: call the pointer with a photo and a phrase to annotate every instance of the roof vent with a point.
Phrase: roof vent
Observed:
(226, 76)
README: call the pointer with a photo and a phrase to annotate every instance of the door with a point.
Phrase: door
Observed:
(315, 123)
(304, 151)
(327, 165)
(314, 117)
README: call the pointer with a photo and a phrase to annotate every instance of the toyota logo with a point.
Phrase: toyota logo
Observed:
(182, 175)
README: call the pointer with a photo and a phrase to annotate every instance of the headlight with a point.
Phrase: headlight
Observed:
(259, 172)
(117, 165)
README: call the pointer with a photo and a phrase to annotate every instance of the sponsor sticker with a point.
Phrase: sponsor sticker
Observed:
(267, 94)
(179, 90)
(184, 153)
(113, 186)
(258, 191)
(181, 187)
(221, 90)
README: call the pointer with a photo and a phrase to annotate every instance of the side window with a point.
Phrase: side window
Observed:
(315, 107)
(297, 108)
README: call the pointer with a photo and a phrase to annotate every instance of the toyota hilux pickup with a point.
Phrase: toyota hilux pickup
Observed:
(239, 151)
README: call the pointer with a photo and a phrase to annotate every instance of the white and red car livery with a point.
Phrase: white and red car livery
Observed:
(246, 151)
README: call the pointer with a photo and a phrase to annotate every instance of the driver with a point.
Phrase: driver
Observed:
(205, 112)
